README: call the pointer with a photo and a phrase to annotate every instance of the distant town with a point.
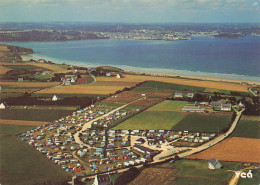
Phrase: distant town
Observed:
(84, 31)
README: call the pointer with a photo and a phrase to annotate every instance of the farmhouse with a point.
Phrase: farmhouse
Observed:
(3, 105)
(190, 95)
(20, 79)
(119, 76)
(144, 149)
(56, 97)
(214, 164)
(103, 179)
(178, 95)
(108, 74)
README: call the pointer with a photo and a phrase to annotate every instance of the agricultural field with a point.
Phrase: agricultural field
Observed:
(233, 149)
(186, 172)
(168, 115)
(248, 127)
(27, 167)
(203, 122)
(46, 114)
(82, 89)
(3, 70)
(29, 84)
(153, 176)
(156, 86)
(21, 122)
(6, 95)
(17, 66)
(186, 82)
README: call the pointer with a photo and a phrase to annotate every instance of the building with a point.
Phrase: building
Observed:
(0, 88)
(178, 95)
(214, 164)
(108, 74)
(226, 106)
(20, 79)
(119, 76)
(144, 150)
(193, 108)
(3, 105)
(140, 141)
(190, 95)
(102, 179)
(56, 97)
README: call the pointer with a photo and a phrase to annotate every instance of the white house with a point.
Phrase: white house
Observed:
(3, 105)
(102, 179)
(226, 106)
(108, 74)
(190, 95)
(20, 79)
(56, 97)
(214, 164)
(119, 76)
(178, 95)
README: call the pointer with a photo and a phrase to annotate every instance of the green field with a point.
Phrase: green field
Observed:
(152, 120)
(247, 127)
(154, 86)
(197, 172)
(34, 114)
(21, 66)
(21, 164)
(203, 122)
(168, 105)
(168, 115)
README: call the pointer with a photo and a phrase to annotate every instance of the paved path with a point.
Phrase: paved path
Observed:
(250, 90)
(88, 124)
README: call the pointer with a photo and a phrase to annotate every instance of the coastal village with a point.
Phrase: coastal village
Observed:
(145, 121)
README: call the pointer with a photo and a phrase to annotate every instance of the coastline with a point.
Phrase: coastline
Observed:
(234, 78)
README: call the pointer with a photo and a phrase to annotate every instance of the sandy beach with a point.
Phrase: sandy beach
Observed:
(160, 72)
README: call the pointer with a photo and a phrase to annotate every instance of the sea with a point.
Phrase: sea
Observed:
(216, 57)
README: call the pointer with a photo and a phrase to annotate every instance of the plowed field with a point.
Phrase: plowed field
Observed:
(233, 149)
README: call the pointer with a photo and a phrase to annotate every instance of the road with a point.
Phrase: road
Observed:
(208, 144)
(88, 124)
(250, 90)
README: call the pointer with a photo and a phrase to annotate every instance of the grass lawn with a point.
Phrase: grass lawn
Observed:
(34, 114)
(199, 122)
(168, 105)
(248, 127)
(20, 163)
(197, 172)
(168, 115)
(152, 120)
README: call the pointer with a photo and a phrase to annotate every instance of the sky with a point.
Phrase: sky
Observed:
(131, 11)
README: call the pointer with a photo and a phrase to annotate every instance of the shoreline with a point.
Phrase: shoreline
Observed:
(234, 78)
